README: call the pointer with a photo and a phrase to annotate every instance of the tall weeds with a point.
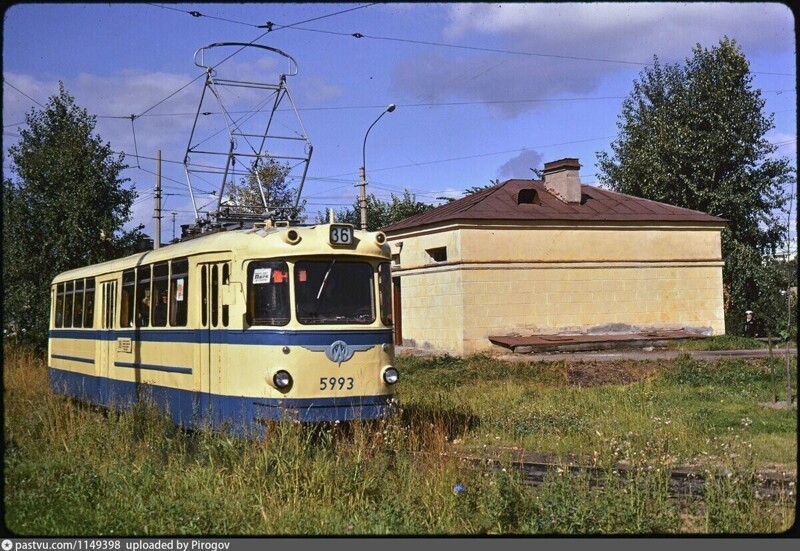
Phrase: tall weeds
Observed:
(74, 470)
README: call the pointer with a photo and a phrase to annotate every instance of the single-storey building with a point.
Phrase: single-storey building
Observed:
(550, 257)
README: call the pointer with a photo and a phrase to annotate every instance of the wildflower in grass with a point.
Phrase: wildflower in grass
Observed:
(458, 488)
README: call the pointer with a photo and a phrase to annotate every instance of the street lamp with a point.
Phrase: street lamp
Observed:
(391, 107)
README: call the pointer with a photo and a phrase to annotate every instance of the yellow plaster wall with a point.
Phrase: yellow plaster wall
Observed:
(433, 311)
(535, 300)
(498, 281)
(572, 243)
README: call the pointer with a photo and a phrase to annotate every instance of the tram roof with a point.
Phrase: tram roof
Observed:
(248, 243)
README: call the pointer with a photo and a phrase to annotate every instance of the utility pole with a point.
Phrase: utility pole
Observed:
(173, 213)
(362, 201)
(788, 305)
(157, 195)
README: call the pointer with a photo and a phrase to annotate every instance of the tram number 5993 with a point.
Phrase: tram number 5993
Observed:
(334, 383)
(341, 234)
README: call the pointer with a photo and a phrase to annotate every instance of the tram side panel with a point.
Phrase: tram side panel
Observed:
(72, 361)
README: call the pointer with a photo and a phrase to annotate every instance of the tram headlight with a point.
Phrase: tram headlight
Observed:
(282, 379)
(291, 237)
(390, 375)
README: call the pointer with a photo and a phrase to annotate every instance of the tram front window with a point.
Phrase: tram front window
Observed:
(334, 292)
(268, 293)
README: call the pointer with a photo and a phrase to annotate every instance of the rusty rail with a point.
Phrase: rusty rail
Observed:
(685, 482)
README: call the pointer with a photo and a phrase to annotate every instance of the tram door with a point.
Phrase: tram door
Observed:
(107, 340)
(397, 307)
(214, 319)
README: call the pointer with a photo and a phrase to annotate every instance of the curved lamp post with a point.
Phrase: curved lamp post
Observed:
(363, 172)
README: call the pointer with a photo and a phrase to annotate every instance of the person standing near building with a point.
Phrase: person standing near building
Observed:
(750, 329)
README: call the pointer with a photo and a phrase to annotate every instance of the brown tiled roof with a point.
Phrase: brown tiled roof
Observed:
(500, 203)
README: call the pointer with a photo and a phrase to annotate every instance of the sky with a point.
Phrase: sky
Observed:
(483, 92)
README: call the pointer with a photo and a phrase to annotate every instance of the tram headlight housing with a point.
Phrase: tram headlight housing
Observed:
(281, 379)
(390, 375)
(292, 237)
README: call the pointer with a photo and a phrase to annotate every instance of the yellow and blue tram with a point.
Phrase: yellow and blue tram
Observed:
(234, 328)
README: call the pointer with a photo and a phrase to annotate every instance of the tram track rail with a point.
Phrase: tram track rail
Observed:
(686, 482)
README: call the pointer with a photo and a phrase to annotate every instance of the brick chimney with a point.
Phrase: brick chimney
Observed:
(561, 179)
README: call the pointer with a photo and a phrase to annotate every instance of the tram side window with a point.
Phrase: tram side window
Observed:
(226, 279)
(160, 286)
(267, 293)
(143, 296)
(59, 322)
(214, 295)
(68, 294)
(109, 291)
(178, 292)
(385, 290)
(126, 311)
(88, 313)
(77, 310)
(204, 287)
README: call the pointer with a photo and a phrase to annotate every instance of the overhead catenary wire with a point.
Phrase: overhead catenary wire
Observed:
(271, 28)
(274, 27)
(358, 35)
(5, 80)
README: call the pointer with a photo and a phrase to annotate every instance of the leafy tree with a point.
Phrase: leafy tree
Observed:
(64, 208)
(245, 197)
(381, 213)
(693, 135)
(471, 190)
(405, 207)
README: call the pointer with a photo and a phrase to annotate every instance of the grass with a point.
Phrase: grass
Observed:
(728, 342)
(73, 470)
(532, 405)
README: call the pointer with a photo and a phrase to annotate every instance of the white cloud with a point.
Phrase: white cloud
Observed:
(565, 49)
(316, 91)
(614, 27)
(520, 166)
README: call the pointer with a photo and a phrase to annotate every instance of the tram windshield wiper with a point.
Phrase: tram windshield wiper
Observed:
(324, 279)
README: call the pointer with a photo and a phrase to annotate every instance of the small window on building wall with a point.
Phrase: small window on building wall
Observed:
(439, 254)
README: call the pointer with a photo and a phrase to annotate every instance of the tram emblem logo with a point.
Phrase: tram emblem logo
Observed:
(339, 351)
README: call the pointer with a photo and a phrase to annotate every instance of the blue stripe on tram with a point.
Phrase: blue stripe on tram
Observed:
(74, 358)
(238, 415)
(165, 368)
(263, 337)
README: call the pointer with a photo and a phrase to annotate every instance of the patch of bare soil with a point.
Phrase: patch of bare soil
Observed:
(587, 374)
(781, 404)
